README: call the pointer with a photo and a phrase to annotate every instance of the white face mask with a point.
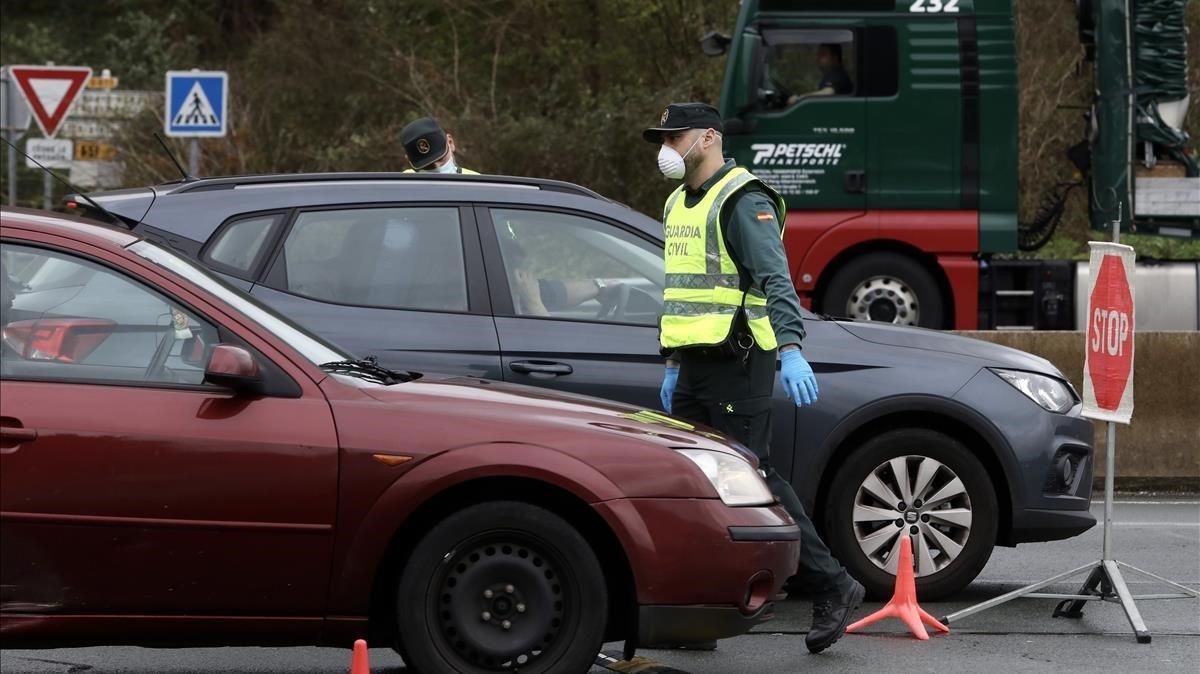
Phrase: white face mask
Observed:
(671, 162)
(448, 167)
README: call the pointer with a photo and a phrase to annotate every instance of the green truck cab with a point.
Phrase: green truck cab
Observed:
(891, 128)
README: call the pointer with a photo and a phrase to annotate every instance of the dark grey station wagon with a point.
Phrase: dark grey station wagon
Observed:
(957, 443)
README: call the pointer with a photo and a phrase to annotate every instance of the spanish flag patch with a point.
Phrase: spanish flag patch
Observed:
(765, 215)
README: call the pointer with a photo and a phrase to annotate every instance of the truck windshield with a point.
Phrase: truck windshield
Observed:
(313, 348)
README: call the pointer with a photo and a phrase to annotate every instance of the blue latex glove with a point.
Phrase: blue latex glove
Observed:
(670, 378)
(799, 382)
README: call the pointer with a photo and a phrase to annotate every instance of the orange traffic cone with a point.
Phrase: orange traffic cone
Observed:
(903, 604)
(358, 661)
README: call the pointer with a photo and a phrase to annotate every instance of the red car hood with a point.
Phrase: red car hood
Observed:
(535, 412)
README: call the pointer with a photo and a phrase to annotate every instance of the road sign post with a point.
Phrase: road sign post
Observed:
(14, 121)
(197, 105)
(12, 167)
(194, 157)
(1107, 396)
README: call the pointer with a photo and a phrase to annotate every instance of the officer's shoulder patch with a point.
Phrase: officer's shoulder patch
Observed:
(762, 205)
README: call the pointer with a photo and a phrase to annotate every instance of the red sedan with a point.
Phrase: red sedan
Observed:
(181, 465)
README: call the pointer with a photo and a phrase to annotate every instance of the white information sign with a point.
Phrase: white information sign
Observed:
(51, 152)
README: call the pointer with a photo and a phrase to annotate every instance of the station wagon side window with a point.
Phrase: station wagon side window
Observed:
(238, 245)
(560, 265)
(64, 318)
(396, 258)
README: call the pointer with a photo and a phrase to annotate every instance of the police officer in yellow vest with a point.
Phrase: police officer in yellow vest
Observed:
(430, 148)
(729, 306)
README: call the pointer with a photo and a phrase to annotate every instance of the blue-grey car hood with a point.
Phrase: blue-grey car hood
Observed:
(933, 340)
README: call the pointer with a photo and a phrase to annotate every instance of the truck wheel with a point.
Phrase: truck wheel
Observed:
(922, 484)
(502, 586)
(887, 287)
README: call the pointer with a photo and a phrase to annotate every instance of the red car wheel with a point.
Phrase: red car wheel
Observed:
(502, 586)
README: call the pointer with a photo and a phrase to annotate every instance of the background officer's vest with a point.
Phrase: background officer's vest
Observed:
(702, 293)
(461, 170)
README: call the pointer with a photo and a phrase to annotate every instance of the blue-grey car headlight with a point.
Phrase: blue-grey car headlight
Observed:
(1053, 395)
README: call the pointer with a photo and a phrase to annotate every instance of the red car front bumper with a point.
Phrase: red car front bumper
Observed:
(702, 569)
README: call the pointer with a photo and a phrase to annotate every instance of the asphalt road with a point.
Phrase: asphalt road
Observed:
(1159, 535)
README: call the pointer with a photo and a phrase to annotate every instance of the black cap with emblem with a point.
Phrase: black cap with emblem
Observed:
(424, 142)
(681, 116)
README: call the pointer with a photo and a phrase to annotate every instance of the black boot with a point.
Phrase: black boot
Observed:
(831, 615)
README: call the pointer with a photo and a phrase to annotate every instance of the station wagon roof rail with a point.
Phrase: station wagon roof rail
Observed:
(286, 179)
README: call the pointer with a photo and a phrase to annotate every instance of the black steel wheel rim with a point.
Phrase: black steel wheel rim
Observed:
(501, 600)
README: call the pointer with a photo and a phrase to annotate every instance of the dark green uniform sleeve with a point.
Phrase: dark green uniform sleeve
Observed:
(755, 243)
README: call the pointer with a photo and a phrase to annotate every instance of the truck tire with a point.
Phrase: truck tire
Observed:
(888, 287)
(502, 586)
(951, 518)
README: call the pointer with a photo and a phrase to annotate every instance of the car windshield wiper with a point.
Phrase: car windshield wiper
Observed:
(367, 368)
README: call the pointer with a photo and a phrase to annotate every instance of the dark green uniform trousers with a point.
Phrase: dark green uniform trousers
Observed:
(733, 395)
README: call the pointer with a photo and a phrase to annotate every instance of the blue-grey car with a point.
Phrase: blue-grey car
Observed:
(958, 443)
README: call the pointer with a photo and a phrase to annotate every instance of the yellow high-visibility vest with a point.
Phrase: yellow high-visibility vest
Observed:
(702, 293)
(461, 170)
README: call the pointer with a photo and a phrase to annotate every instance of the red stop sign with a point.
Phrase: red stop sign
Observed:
(1110, 333)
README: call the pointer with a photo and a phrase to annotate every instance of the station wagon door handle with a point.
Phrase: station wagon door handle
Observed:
(540, 368)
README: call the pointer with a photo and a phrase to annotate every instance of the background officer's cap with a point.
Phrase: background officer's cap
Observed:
(424, 142)
(681, 116)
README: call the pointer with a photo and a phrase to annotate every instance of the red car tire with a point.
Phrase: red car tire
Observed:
(501, 586)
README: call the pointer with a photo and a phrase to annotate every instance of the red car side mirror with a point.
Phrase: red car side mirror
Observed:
(234, 368)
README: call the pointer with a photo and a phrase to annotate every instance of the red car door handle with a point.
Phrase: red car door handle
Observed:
(11, 437)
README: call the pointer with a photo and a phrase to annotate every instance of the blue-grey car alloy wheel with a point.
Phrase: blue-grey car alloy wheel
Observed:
(912, 496)
(919, 483)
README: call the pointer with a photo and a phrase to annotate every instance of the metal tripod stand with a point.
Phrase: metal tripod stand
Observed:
(1104, 583)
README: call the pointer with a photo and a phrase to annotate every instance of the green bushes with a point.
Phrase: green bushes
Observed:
(528, 87)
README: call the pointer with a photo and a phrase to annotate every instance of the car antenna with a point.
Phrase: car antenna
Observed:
(117, 221)
(186, 178)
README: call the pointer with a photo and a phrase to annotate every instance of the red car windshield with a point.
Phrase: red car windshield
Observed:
(312, 347)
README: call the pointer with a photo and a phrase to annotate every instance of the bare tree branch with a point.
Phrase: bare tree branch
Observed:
(496, 61)
(454, 31)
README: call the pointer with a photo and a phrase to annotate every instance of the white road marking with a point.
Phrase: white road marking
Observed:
(1195, 503)
(1156, 524)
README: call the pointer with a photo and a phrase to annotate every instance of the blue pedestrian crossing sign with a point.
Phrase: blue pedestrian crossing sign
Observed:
(197, 103)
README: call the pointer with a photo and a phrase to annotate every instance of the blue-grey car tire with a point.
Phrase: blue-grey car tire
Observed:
(969, 518)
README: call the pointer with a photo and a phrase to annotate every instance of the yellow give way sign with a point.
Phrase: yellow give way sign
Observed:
(94, 150)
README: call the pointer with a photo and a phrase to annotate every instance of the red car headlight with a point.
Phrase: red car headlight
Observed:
(736, 481)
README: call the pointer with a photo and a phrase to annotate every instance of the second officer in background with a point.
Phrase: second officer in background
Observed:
(429, 148)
